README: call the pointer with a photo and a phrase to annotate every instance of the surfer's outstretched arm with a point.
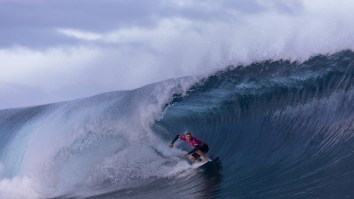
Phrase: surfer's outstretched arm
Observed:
(173, 141)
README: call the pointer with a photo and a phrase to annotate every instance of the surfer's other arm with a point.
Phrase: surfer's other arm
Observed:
(173, 141)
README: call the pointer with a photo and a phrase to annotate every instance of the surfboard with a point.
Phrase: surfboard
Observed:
(199, 164)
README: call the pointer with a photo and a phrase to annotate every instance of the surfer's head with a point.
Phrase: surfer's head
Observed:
(188, 134)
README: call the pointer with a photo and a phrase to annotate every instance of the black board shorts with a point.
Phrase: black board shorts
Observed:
(204, 148)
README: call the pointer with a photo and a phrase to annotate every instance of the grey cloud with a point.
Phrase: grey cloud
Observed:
(288, 7)
(80, 14)
(34, 38)
(33, 24)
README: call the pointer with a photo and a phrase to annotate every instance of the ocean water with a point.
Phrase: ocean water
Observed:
(275, 129)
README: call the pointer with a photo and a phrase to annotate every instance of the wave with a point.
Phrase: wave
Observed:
(279, 128)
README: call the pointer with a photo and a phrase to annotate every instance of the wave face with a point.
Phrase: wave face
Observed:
(280, 129)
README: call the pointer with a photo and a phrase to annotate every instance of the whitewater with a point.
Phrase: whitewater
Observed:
(280, 128)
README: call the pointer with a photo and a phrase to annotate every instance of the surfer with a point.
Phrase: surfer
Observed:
(199, 147)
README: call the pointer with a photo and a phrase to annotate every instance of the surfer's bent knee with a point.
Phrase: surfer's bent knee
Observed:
(203, 148)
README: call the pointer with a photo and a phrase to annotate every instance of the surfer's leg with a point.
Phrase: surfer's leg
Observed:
(195, 157)
(201, 150)
(205, 158)
(191, 158)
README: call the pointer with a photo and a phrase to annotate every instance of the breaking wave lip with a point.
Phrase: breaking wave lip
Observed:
(280, 129)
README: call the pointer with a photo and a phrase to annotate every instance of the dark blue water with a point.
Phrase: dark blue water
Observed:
(280, 129)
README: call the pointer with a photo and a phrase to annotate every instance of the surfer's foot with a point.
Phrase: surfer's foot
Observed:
(205, 158)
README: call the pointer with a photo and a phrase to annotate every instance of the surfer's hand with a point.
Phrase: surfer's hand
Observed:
(170, 145)
(185, 155)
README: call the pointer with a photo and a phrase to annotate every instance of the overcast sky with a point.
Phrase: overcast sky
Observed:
(54, 50)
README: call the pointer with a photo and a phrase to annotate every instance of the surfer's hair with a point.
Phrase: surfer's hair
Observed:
(187, 132)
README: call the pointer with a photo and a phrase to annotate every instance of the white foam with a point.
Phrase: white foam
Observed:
(18, 188)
